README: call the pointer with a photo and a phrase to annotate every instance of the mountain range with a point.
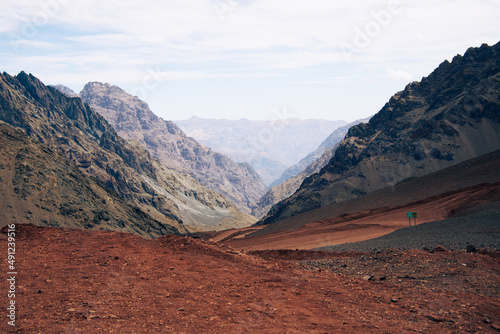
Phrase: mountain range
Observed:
(66, 166)
(292, 178)
(102, 160)
(133, 120)
(269, 146)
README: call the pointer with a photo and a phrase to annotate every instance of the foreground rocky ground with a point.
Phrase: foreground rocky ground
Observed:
(72, 281)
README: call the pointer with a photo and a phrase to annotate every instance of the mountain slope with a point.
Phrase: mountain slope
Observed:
(133, 120)
(292, 178)
(72, 129)
(39, 185)
(450, 116)
(461, 189)
(269, 146)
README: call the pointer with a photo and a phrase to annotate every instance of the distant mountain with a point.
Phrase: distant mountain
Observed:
(133, 120)
(76, 167)
(450, 116)
(269, 146)
(333, 139)
(65, 90)
(292, 178)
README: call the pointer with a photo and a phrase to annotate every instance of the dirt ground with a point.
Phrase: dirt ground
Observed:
(72, 281)
(358, 226)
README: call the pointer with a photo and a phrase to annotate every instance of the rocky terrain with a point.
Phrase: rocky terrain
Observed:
(74, 281)
(269, 146)
(75, 133)
(450, 116)
(133, 120)
(475, 228)
(292, 178)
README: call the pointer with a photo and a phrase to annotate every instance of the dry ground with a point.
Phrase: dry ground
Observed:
(359, 226)
(72, 281)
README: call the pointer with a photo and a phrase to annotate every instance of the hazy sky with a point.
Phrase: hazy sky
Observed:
(256, 59)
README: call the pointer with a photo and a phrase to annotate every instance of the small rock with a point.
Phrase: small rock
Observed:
(495, 326)
(180, 309)
(394, 300)
(471, 249)
(434, 318)
(368, 278)
(71, 310)
(382, 278)
(440, 249)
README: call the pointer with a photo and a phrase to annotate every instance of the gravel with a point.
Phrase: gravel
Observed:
(479, 227)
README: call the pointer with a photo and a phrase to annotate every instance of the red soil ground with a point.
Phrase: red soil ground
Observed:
(72, 281)
(358, 226)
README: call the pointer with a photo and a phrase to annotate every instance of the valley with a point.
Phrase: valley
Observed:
(124, 223)
(270, 147)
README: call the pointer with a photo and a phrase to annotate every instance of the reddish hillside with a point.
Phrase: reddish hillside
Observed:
(436, 196)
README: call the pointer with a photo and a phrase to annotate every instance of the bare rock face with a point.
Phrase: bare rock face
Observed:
(75, 132)
(450, 116)
(133, 120)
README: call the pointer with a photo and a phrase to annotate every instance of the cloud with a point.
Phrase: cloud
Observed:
(398, 74)
(259, 33)
(297, 41)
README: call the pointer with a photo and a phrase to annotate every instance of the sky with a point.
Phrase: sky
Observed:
(254, 59)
